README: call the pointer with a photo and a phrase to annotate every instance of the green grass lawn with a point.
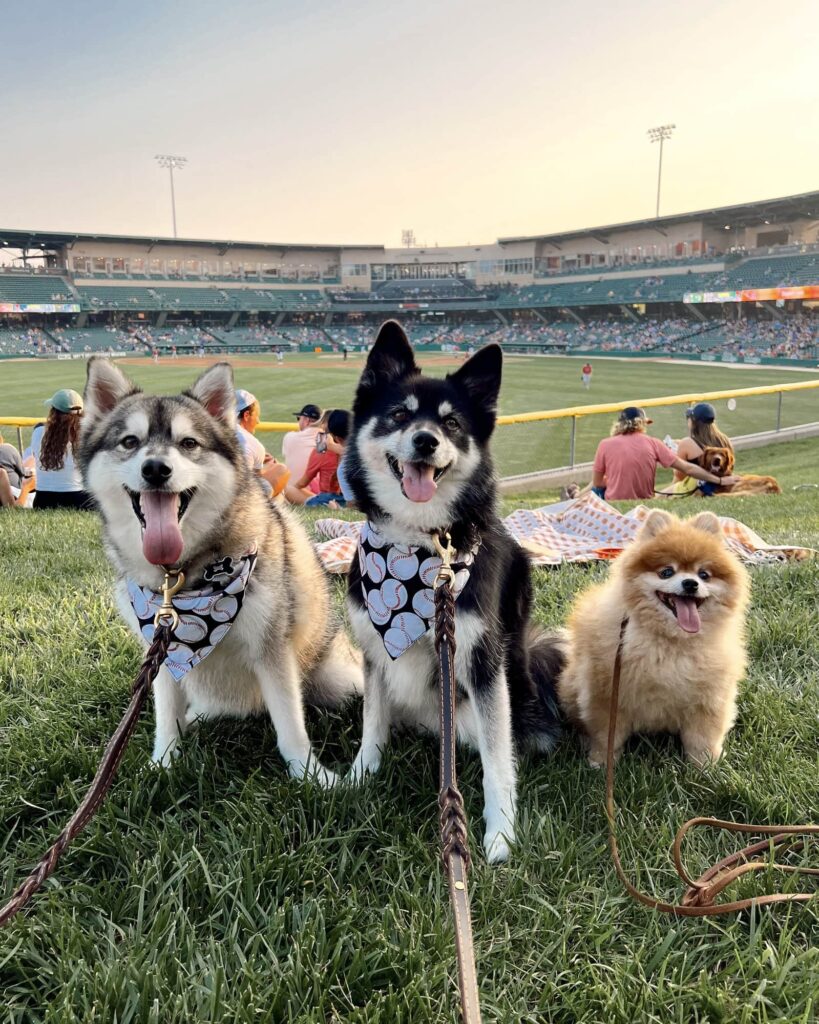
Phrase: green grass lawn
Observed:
(530, 383)
(223, 891)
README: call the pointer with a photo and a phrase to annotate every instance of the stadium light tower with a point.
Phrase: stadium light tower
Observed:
(660, 134)
(172, 163)
(408, 237)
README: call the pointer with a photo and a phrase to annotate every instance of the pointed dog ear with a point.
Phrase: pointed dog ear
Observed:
(105, 386)
(391, 357)
(480, 377)
(655, 522)
(214, 389)
(708, 522)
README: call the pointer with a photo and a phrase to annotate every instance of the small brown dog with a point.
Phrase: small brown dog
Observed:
(685, 595)
(720, 462)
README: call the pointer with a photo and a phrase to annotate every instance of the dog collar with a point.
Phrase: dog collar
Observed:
(396, 583)
(205, 614)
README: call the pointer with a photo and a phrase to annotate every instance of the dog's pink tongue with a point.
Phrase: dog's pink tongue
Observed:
(688, 614)
(161, 539)
(418, 480)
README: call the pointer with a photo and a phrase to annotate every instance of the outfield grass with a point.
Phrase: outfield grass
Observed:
(530, 383)
(224, 892)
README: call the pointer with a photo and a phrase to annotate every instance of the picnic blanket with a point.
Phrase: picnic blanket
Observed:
(586, 529)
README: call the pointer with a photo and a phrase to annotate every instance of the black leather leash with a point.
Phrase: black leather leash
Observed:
(454, 839)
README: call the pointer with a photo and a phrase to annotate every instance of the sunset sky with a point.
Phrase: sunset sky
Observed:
(321, 121)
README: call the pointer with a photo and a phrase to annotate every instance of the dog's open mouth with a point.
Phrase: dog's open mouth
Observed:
(159, 514)
(419, 480)
(686, 610)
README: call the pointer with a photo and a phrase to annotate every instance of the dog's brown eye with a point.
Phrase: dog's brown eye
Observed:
(400, 416)
(666, 572)
(451, 423)
(129, 442)
(704, 574)
(189, 443)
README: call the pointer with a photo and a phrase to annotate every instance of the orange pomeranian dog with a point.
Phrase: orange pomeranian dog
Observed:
(685, 597)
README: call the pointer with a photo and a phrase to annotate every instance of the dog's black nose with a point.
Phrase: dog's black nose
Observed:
(690, 586)
(424, 442)
(155, 472)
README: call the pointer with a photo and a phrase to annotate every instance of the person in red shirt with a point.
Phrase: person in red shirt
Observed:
(626, 462)
(324, 464)
(586, 375)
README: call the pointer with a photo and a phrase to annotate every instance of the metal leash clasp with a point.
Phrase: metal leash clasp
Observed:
(167, 614)
(446, 573)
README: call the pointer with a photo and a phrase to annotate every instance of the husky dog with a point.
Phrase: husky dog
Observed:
(418, 463)
(174, 489)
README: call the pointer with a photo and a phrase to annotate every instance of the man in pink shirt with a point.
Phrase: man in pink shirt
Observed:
(626, 462)
(299, 445)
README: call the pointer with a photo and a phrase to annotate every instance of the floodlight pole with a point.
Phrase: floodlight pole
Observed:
(171, 162)
(660, 134)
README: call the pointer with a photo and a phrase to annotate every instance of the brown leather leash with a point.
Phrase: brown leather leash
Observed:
(454, 838)
(700, 894)
(165, 621)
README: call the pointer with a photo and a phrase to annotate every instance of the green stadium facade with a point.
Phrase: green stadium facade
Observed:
(739, 282)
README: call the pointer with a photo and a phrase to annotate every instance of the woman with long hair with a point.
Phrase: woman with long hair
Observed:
(53, 444)
(702, 433)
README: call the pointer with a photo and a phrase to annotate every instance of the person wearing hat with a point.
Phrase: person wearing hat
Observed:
(626, 462)
(299, 445)
(702, 433)
(248, 413)
(53, 443)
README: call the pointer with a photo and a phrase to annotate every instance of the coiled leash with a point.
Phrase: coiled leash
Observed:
(699, 896)
(165, 621)
(454, 839)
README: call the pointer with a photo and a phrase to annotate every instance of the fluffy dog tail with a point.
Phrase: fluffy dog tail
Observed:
(338, 677)
(539, 720)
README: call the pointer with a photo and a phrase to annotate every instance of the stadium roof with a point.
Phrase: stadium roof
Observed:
(742, 215)
(20, 239)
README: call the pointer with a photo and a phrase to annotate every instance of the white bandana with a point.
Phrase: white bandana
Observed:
(396, 581)
(205, 615)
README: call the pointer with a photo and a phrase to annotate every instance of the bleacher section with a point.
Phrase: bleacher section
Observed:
(95, 339)
(632, 308)
(34, 288)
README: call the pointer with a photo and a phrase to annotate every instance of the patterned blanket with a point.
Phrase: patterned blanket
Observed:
(586, 529)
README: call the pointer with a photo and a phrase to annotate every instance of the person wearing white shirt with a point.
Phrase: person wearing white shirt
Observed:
(273, 473)
(59, 484)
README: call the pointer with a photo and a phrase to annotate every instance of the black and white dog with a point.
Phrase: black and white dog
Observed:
(418, 463)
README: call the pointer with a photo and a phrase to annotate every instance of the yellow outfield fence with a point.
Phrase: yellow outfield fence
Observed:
(559, 437)
(645, 403)
(269, 426)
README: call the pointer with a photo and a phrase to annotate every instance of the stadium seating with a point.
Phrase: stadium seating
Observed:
(34, 288)
(25, 341)
(95, 339)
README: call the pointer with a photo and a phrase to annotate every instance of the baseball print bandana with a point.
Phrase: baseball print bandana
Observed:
(205, 615)
(396, 581)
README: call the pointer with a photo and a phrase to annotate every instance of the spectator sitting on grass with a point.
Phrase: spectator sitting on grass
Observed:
(702, 433)
(272, 472)
(626, 463)
(324, 465)
(59, 484)
(299, 445)
(15, 480)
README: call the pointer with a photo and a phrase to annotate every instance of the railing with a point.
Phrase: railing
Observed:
(573, 413)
